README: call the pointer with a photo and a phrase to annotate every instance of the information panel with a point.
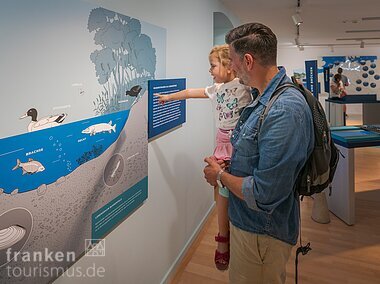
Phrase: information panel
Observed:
(326, 79)
(312, 76)
(162, 118)
(109, 216)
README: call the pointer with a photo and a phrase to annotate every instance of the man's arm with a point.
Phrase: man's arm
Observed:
(347, 83)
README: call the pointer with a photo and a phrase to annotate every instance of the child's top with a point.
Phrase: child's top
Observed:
(339, 89)
(228, 100)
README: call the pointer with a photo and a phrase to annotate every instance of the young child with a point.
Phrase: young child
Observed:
(338, 89)
(337, 86)
(228, 97)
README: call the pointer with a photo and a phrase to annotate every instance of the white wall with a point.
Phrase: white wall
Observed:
(292, 58)
(144, 248)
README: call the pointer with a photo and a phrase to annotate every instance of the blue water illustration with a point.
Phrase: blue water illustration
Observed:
(60, 150)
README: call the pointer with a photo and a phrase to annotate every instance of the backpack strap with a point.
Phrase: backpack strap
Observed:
(272, 100)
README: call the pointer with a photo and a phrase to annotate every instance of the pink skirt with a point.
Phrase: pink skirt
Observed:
(223, 149)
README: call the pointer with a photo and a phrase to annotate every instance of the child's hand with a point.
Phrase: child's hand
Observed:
(162, 98)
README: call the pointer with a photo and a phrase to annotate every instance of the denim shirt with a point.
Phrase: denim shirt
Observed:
(270, 162)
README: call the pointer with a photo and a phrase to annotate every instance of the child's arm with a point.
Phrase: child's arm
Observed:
(182, 95)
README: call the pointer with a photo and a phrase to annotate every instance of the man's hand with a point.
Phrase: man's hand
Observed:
(212, 169)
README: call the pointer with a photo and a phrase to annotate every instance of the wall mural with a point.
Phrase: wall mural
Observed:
(73, 142)
(363, 72)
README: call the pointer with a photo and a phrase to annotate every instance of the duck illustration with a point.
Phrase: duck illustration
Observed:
(134, 91)
(43, 123)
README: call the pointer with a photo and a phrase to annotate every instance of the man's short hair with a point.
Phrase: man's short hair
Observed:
(340, 70)
(255, 39)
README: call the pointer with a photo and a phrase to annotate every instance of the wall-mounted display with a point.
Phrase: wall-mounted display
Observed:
(74, 143)
(362, 72)
(163, 117)
(312, 77)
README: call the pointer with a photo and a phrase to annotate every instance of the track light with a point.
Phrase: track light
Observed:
(297, 19)
(362, 44)
(301, 48)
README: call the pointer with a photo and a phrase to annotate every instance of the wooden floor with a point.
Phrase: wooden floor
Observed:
(340, 253)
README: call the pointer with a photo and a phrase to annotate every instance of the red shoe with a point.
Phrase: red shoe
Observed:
(222, 259)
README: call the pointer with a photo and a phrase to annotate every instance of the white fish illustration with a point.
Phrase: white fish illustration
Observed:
(100, 127)
(29, 167)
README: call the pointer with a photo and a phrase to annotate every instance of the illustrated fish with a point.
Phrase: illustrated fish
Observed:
(100, 127)
(29, 167)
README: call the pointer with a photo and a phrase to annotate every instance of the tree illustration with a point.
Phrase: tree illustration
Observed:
(126, 58)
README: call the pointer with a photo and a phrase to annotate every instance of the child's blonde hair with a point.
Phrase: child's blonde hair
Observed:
(221, 52)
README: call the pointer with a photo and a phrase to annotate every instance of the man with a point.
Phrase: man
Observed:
(263, 208)
(344, 78)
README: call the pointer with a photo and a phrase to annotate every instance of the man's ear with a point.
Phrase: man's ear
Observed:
(249, 60)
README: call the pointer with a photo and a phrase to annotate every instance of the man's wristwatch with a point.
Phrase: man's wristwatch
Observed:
(218, 177)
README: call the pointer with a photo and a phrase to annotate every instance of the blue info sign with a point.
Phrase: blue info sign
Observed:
(162, 118)
(312, 76)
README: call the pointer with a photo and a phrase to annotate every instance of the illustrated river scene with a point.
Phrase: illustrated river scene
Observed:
(42, 157)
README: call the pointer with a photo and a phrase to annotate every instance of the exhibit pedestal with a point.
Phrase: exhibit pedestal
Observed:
(371, 113)
(320, 212)
(334, 113)
(342, 200)
(370, 105)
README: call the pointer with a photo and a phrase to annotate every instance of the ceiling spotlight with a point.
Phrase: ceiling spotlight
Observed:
(297, 19)
(301, 48)
(362, 44)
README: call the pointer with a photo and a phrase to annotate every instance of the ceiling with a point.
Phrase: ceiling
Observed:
(325, 22)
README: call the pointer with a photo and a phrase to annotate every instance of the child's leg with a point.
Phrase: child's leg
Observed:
(223, 221)
(222, 252)
(222, 151)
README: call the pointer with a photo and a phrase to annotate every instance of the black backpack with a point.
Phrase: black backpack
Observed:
(319, 169)
(318, 172)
